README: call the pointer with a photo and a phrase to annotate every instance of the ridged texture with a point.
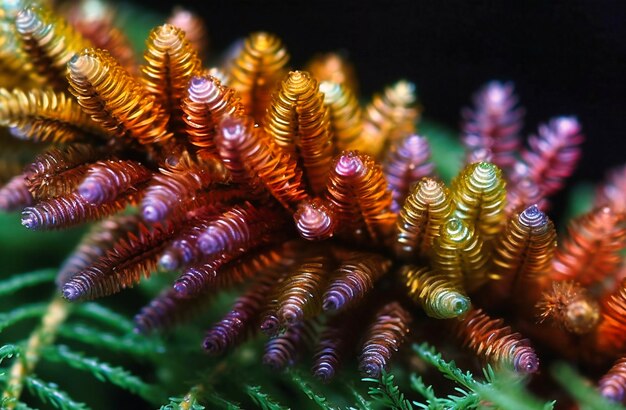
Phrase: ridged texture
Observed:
(345, 115)
(226, 269)
(58, 171)
(95, 21)
(459, 254)
(358, 191)
(523, 192)
(115, 100)
(406, 162)
(390, 116)
(335, 343)
(231, 135)
(194, 28)
(15, 66)
(300, 124)
(425, 209)
(43, 115)
(570, 306)
(355, 277)
(238, 229)
(15, 194)
(100, 239)
(592, 250)
(184, 250)
(479, 197)
(175, 183)
(283, 350)
(496, 344)
(315, 219)
(554, 153)
(383, 338)
(300, 294)
(256, 70)
(494, 124)
(122, 267)
(243, 317)
(166, 311)
(106, 180)
(523, 252)
(170, 62)
(264, 161)
(440, 297)
(610, 335)
(69, 210)
(613, 384)
(49, 43)
(205, 105)
(334, 68)
(613, 192)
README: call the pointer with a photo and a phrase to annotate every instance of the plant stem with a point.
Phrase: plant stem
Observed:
(41, 337)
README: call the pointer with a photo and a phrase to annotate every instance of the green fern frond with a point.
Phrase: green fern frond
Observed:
(24, 280)
(8, 351)
(581, 390)
(132, 344)
(104, 372)
(263, 400)
(50, 393)
(24, 312)
(321, 401)
(105, 316)
(386, 393)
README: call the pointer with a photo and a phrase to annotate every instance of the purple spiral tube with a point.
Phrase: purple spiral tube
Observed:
(15, 194)
(383, 338)
(106, 180)
(166, 311)
(315, 219)
(354, 279)
(283, 350)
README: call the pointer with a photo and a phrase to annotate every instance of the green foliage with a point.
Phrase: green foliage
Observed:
(387, 394)
(50, 393)
(585, 395)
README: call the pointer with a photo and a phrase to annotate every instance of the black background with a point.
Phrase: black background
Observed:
(565, 57)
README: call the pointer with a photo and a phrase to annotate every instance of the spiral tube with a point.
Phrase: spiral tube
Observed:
(166, 310)
(265, 162)
(300, 124)
(390, 116)
(122, 267)
(440, 297)
(115, 100)
(315, 219)
(407, 161)
(497, 345)
(345, 115)
(334, 68)
(354, 278)
(43, 115)
(206, 104)
(256, 71)
(14, 195)
(194, 28)
(613, 384)
(479, 197)
(592, 250)
(570, 306)
(383, 338)
(357, 189)
(420, 219)
(106, 180)
(283, 350)
(494, 123)
(49, 42)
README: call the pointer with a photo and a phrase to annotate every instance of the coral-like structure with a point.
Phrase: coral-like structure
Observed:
(249, 172)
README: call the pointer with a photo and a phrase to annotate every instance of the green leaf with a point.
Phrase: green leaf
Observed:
(50, 393)
(105, 315)
(8, 351)
(132, 344)
(306, 389)
(263, 400)
(387, 393)
(22, 313)
(24, 280)
(104, 372)
(586, 396)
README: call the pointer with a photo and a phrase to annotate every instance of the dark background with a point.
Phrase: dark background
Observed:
(565, 57)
